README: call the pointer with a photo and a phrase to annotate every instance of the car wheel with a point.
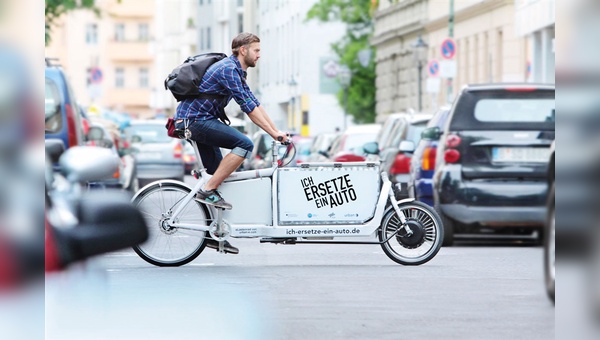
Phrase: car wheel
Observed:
(448, 224)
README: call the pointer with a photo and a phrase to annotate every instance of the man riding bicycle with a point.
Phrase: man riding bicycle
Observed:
(227, 79)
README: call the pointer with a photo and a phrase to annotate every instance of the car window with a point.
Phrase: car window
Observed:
(503, 110)
(52, 107)
(414, 132)
(397, 134)
(148, 133)
(515, 110)
(355, 142)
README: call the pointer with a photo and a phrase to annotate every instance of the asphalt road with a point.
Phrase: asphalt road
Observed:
(305, 292)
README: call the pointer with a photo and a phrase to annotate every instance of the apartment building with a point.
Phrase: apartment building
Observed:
(487, 49)
(397, 27)
(108, 57)
(535, 20)
(296, 74)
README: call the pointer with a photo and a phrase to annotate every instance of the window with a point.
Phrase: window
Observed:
(143, 77)
(91, 34)
(208, 38)
(143, 32)
(119, 77)
(240, 3)
(515, 110)
(240, 23)
(52, 106)
(120, 32)
(201, 2)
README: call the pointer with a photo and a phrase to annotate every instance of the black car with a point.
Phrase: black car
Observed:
(492, 162)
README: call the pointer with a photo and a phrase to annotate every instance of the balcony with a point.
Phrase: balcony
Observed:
(129, 51)
(131, 9)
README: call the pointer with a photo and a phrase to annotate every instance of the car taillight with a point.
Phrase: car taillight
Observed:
(178, 150)
(451, 155)
(401, 165)
(298, 161)
(428, 162)
(71, 126)
(116, 174)
(188, 158)
(452, 141)
(520, 89)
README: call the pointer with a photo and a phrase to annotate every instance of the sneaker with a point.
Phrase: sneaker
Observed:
(227, 247)
(212, 197)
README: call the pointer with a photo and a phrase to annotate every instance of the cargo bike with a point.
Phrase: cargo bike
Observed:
(314, 203)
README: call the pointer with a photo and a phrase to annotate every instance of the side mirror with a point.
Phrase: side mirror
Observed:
(88, 163)
(323, 153)
(371, 148)
(407, 146)
(432, 133)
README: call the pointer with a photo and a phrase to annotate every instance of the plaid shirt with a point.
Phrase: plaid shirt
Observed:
(225, 77)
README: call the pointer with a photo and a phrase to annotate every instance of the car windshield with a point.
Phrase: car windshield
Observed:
(52, 107)
(148, 133)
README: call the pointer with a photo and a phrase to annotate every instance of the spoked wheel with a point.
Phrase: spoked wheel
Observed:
(418, 245)
(169, 246)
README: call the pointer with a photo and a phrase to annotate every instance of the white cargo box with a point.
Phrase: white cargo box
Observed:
(328, 193)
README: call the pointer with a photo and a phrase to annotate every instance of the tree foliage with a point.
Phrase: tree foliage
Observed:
(56, 8)
(356, 14)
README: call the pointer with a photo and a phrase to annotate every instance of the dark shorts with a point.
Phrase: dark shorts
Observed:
(210, 135)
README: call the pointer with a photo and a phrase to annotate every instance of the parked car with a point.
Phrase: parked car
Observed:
(157, 155)
(550, 233)
(62, 116)
(262, 156)
(348, 147)
(422, 162)
(125, 177)
(492, 161)
(320, 145)
(396, 152)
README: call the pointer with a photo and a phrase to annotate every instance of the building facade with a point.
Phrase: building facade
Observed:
(487, 49)
(535, 20)
(108, 57)
(397, 27)
(297, 71)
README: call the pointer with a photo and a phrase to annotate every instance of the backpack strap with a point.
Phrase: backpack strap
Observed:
(221, 114)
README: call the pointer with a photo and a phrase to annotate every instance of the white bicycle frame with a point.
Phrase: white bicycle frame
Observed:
(265, 222)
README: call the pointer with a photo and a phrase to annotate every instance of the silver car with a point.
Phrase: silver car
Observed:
(158, 156)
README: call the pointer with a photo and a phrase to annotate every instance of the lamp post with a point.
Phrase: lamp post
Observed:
(420, 54)
(344, 77)
(292, 83)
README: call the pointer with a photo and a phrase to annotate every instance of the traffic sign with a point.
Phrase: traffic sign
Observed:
(448, 68)
(433, 67)
(448, 48)
(96, 75)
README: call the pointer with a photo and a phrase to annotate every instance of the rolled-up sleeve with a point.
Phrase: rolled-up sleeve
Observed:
(232, 80)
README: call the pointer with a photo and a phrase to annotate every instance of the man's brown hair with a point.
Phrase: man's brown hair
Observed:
(242, 39)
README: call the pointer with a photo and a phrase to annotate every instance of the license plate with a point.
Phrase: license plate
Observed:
(521, 155)
(149, 155)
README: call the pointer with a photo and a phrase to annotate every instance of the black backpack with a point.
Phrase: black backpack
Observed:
(184, 80)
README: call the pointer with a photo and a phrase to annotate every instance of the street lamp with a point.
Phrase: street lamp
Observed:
(344, 77)
(420, 53)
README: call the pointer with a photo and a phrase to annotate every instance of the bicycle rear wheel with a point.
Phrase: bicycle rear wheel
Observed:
(170, 246)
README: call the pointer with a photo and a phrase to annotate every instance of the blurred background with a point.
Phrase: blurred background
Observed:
(325, 66)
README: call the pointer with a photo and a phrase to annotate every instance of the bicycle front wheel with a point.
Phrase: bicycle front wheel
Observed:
(170, 246)
(424, 240)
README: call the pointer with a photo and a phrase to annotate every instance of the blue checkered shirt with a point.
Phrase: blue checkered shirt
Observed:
(226, 77)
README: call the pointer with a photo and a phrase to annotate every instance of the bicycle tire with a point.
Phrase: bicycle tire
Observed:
(168, 246)
(412, 251)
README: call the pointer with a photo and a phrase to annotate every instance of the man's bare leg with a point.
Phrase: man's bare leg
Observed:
(228, 165)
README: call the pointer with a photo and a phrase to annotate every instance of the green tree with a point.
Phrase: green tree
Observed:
(357, 15)
(56, 8)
